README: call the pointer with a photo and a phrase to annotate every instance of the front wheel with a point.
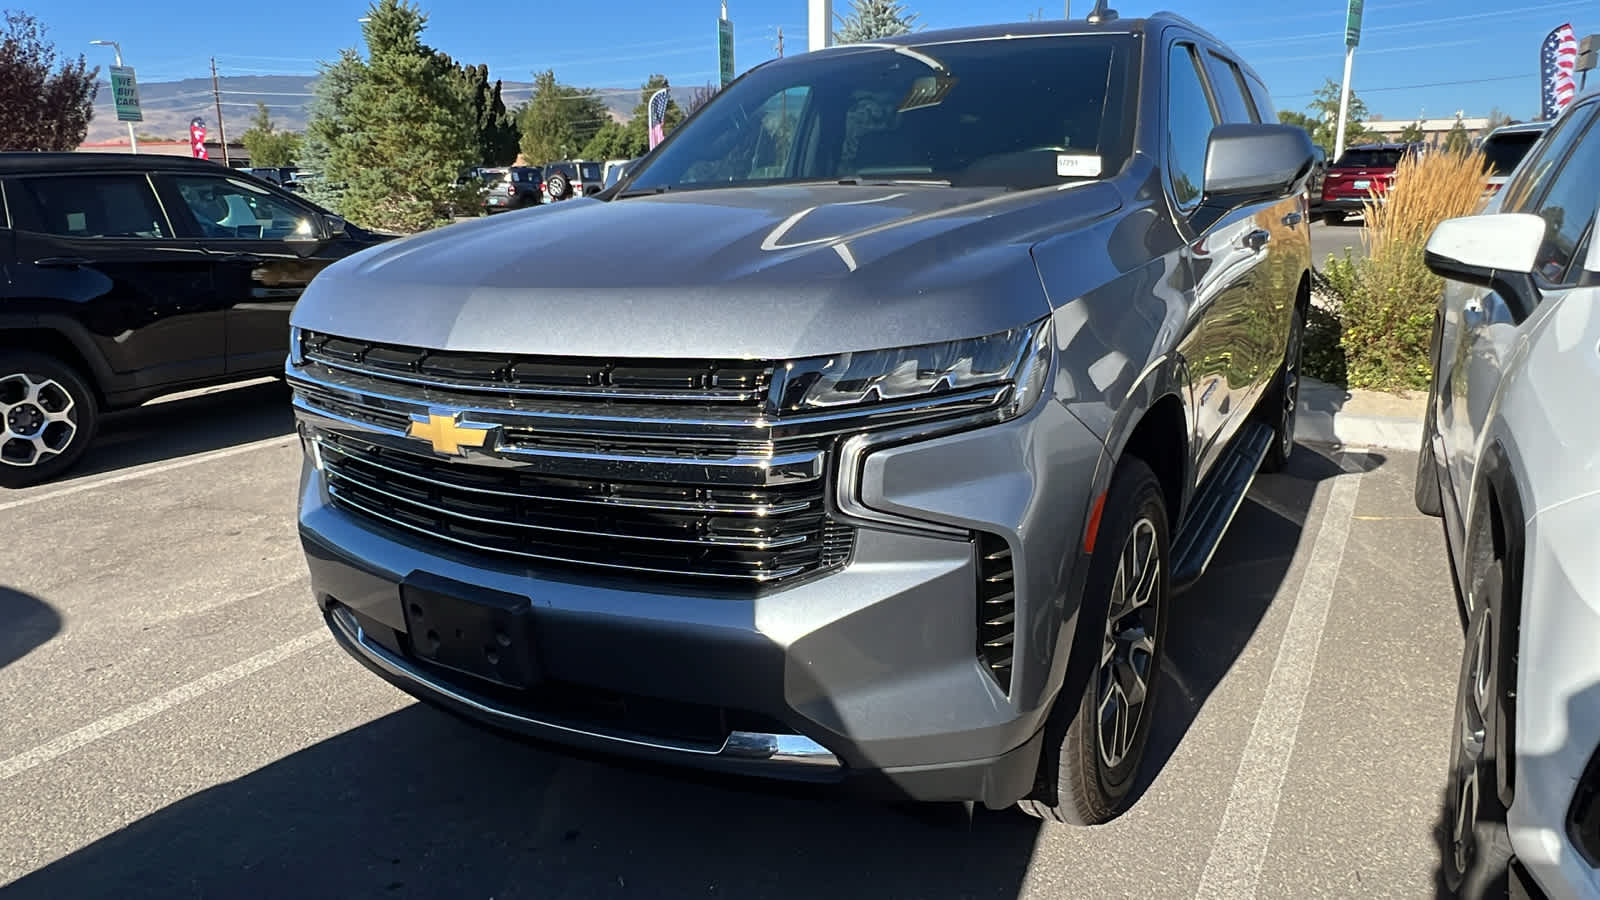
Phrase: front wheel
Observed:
(1478, 860)
(1281, 405)
(1088, 777)
(47, 418)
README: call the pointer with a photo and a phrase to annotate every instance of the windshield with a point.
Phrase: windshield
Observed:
(591, 171)
(1010, 113)
(1370, 159)
(1504, 151)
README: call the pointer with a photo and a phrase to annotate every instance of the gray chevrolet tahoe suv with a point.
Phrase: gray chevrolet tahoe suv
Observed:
(937, 368)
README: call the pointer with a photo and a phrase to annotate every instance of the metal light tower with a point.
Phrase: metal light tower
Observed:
(1352, 37)
(821, 24)
(133, 139)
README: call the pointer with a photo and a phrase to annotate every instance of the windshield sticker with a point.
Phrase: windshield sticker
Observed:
(1077, 165)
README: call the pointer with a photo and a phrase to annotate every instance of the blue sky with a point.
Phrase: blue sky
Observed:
(1431, 57)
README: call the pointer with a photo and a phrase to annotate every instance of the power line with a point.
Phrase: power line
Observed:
(1401, 26)
(1414, 87)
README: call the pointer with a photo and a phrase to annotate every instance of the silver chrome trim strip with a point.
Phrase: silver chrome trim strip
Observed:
(758, 510)
(730, 543)
(757, 578)
(778, 749)
(507, 387)
(579, 421)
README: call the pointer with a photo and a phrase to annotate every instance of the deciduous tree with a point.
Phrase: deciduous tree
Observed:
(44, 105)
(267, 145)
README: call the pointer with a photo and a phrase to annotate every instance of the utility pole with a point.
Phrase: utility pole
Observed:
(820, 21)
(222, 130)
(1352, 37)
(780, 41)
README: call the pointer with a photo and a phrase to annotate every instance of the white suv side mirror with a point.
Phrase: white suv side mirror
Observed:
(1476, 249)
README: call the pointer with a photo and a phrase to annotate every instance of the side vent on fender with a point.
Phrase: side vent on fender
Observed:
(997, 607)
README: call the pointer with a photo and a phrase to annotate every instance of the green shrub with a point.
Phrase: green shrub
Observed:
(1386, 301)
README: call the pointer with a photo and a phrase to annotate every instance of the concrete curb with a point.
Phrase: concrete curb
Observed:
(1333, 415)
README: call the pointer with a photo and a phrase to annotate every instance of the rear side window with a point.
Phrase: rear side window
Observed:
(1190, 119)
(1232, 94)
(91, 206)
(591, 171)
(1263, 99)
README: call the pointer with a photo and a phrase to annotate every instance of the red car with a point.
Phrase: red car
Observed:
(1361, 171)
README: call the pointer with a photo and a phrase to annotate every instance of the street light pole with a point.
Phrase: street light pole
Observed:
(133, 139)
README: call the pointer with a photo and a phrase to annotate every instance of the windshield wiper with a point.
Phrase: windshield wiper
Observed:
(642, 192)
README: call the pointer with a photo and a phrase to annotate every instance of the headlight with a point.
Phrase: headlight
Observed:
(1019, 358)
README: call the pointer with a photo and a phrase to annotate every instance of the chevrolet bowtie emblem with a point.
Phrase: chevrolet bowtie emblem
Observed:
(446, 433)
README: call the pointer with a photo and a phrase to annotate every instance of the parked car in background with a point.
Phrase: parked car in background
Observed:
(128, 276)
(1510, 460)
(516, 187)
(573, 178)
(1505, 147)
(1360, 172)
(615, 169)
(883, 458)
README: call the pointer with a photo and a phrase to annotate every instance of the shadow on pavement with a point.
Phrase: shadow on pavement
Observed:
(1214, 620)
(168, 429)
(418, 804)
(26, 622)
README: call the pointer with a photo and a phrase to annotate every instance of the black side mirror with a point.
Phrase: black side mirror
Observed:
(336, 225)
(1250, 161)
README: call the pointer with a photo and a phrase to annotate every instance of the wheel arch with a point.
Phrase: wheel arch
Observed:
(60, 340)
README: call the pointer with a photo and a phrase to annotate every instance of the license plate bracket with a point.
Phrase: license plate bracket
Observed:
(484, 633)
(1362, 185)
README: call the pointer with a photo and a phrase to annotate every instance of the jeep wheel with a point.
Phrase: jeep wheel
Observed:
(47, 418)
(1280, 406)
(1088, 777)
(1478, 856)
(558, 186)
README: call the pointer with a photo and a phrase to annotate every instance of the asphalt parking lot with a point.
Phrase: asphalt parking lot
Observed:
(178, 724)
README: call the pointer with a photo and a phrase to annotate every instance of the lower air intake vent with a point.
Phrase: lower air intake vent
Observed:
(997, 607)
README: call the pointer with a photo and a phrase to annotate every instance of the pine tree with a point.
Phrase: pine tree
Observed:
(1412, 133)
(1458, 141)
(268, 147)
(327, 125)
(559, 120)
(870, 20)
(411, 137)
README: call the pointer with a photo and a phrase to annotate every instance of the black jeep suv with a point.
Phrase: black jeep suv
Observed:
(124, 277)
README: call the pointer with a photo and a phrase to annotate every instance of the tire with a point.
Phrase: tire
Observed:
(1080, 782)
(1477, 854)
(1333, 217)
(1281, 406)
(48, 417)
(558, 186)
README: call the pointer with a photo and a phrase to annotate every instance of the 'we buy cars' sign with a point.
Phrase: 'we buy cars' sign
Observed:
(125, 92)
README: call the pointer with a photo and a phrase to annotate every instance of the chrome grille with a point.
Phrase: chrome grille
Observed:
(733, 533)
(722, 382)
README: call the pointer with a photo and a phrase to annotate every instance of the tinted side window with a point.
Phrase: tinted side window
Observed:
(230, 208)
(1263, 98)
(1531, 181)
(94, 206)
(1568, 208)
(1190, 119)
(1228, 82)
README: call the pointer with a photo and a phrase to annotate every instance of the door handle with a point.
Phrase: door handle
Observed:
(1293, 219)
(241, 258)
(62, 262)
(1255, 240)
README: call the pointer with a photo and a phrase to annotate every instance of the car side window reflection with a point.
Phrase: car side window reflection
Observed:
(1190, 119)
(1568, 207)
(228, 208)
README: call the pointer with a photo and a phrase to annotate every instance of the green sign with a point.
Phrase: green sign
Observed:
(725, 50)
(1352, 24)
(125, 91)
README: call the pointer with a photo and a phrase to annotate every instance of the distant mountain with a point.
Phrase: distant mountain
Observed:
(170, 105)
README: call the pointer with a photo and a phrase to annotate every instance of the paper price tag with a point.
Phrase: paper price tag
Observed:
(1077, 165)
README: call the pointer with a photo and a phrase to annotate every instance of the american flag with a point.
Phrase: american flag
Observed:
(1557, 59)
(658, 116)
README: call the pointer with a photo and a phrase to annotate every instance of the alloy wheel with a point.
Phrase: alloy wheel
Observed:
(1128, 653)
(38, 419)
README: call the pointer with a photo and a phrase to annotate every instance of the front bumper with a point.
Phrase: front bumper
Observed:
(868, 675)
(1558, 697)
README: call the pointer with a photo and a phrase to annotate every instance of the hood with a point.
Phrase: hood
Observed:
(770, 273)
